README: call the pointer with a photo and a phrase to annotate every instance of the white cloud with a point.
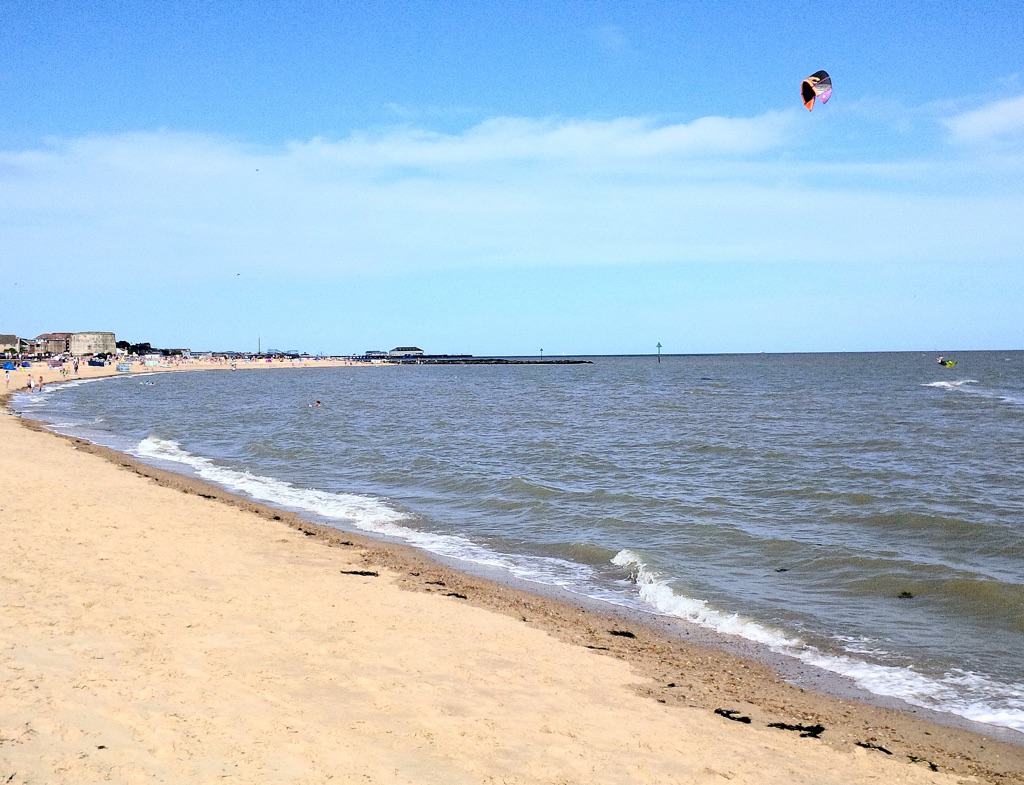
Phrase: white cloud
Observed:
(516, 139)
(998, 120)
(508, 192)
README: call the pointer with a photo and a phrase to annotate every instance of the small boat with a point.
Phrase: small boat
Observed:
(946, 363)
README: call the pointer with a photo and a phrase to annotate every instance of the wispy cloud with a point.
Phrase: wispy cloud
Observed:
(998, 120)
(179, 207)
(510, 139)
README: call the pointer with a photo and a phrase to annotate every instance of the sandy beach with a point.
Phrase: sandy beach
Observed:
(158, 629)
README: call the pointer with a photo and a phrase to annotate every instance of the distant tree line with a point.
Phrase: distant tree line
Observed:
(147, 348)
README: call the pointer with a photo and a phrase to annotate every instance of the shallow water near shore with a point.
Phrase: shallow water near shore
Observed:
(787, 499)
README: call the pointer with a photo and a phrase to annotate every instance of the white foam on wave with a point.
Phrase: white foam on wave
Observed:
(35, 399)
(970, 695)
(948, 385)
(369, 514)
(966, 386)
(658, 593)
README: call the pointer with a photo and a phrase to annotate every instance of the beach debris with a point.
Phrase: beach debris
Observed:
(622, 633)
(733, 714)
(905, 595)
(101, 746)
(456, 595)
(598, 648)
(782, 569)
(365, 573)
(805, 731)
(436, 583)
(671, 684)
(275, 517)
(870, 746)
(915, 759)
(308, 533)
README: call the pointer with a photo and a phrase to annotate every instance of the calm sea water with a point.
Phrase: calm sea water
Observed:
(787, 499)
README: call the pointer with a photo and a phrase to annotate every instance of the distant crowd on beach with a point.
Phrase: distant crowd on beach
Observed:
(35, 383)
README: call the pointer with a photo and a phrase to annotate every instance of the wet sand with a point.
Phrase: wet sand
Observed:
(156, 628)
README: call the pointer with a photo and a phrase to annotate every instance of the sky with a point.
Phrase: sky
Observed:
(582, 177)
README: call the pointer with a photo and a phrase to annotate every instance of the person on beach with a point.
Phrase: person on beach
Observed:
(7, 379)
(31, 383)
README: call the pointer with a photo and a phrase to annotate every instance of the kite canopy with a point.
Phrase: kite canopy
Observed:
(817, 86)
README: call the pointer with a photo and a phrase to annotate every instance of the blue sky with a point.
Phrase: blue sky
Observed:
(583, 177)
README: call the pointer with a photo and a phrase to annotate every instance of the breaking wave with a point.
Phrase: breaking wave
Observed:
(970, 695)
(368, 514)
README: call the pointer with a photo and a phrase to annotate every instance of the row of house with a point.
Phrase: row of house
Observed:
(76, 344)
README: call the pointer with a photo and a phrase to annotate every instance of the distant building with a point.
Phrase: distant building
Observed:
(92, 343)
(32, 346)
(406, 351)
(371, 353)
(10, 343)
(53, 343)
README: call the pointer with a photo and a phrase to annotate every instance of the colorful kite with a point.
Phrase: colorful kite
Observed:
(817, 86)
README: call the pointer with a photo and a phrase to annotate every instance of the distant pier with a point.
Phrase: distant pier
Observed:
(448, 359)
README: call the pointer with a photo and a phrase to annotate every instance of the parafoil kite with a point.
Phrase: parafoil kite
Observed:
(817, 86)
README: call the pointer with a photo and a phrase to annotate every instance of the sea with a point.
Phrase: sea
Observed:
(860, 513)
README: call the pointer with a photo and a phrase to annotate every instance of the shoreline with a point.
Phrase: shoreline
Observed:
(675, 672)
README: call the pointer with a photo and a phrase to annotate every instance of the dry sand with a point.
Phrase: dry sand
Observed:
(156, 629)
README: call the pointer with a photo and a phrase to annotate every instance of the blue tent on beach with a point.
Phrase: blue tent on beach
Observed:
(9, 366)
